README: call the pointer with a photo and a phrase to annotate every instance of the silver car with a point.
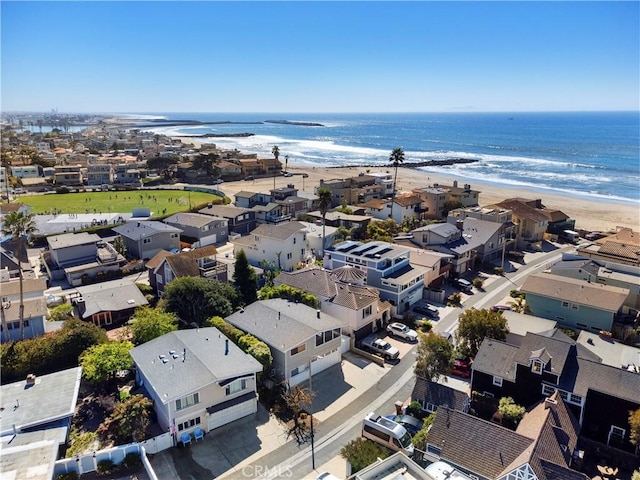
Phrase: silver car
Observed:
(402, 331)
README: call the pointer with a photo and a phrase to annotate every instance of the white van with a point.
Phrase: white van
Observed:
(388, 433)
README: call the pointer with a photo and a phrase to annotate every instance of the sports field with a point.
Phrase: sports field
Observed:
(161, 202)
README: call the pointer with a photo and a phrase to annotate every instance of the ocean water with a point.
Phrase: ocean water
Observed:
(590, 154)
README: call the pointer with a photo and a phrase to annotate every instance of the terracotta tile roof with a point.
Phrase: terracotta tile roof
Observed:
(625, 236)
(595, 295)
(407, 200)
(521, 208)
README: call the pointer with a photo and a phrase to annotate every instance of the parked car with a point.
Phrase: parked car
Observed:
(287, 174)
(401, 330)
(248, 178)
(461, 369)
(381, 347)
(411, 424)
(218, 181)
(426, 310)
(327, 476)
(462, 284)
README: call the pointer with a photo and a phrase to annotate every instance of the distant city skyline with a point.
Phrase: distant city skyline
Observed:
(319, 57)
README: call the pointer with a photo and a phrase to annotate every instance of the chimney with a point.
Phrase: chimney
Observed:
(455, 184)
(31, 379)
(550, 404)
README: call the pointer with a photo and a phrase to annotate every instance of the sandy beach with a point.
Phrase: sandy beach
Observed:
(589, 214)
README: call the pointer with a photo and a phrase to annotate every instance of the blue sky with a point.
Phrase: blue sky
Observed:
(319, 57)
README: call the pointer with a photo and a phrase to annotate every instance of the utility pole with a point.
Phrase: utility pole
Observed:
(313, 455)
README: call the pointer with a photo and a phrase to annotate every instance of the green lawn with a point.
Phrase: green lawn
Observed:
(161, 202)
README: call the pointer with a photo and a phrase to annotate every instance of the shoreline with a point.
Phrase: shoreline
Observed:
(590, 214)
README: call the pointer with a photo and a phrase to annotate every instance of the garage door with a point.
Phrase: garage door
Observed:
(326, 361)
(232, 413)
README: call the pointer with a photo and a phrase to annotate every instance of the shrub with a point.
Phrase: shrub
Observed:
(67, 476)
(498, 271)
(62, 190)
(454, 299)
(414, 409)
(105, 467)
(478, 282)
(425, 325)
(132, 461)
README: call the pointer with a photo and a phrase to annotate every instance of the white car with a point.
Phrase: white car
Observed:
(402, 331)
(327, 476)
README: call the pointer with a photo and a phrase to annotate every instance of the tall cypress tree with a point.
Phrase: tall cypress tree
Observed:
(244, 278)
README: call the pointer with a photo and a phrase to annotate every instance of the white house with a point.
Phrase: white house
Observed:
(197, 379)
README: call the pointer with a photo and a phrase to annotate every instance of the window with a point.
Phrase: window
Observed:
(173, 235)
(565, 304)
(433, 449)
(377, 433)
(289, 256)
(235, 387)
(146, 241)
(366, 312)
(189, 423)
(616, 435)
(294, 240)
(298, 349)
(497, 381)
(577, 399)
(547, 390)
(537, 366)
(187, 401)
(429, 407)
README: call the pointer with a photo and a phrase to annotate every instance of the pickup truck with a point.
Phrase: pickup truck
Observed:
(381, 347)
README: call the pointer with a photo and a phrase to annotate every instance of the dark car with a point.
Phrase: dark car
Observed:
(426, 310)
(411, 424)
(461, 369)
(248, 178)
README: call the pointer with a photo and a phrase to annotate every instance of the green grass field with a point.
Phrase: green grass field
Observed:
(161, 202)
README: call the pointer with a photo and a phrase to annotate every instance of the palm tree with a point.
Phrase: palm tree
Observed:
(324, 197)
(396, 158)
(276, 152)
(19, 226)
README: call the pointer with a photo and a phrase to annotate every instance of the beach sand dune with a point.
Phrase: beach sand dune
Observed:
(594, 215)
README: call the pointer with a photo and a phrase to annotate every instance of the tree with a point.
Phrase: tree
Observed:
(298, 399)
(244, 277)
(163, 164)
(475, 325)
(276, 151)
(324, 203)
(511, 413)
(149, 323)
(119, 246)
(420, 438)
(361, 453)
(207, 163)
(519, 305)
(60, 313)
(634, 426)
(396, 158)
(434, 357)
(100, 363)
(195, 299)
(128, 421)
(19, 226)
(450, 205)
(383, 230)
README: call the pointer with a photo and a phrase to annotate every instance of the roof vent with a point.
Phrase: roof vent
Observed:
(31, 379)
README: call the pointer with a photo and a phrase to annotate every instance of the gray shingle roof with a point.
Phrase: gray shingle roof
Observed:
(190, 219)
(595, 295)
(24, 407)
(113, 296)
(205, 361)
(438, 394)
(496, 358)
(281, 231)
(137, 230)
(282, 324)
(71, 240)
(226, 211)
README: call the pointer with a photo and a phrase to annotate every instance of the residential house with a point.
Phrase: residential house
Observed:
(272, 213)
(199, 262)
(144, 239)
(200, 230)
(605, 273)
(355, 223)
(287, 197)
(558, 221)
(127, 175)
(270, 166)
(397, 466)
(465, 195)
(79, 257)
(299, 337)
(314, 237)
(99, 174)
(405, 206)
(4, 182)
(469, 242)
(241, 221)
(342, 294)
(246, 199)
(387, 267)
(385, 180)
(433, 201)
(352, 190)
(541, 448)
(530, 218)
(620, 247)
(598, 394)
(68, 176)
(35, 309)
(612, 352)
(9, 266)
(437, 265)
(196, 379)
(574, 303)
(229, 170)
(285, 244)
(250, 167)
(107, 304)
(25, 171)
(431, 395)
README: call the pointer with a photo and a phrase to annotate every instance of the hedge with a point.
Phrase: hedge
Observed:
(247, 342)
